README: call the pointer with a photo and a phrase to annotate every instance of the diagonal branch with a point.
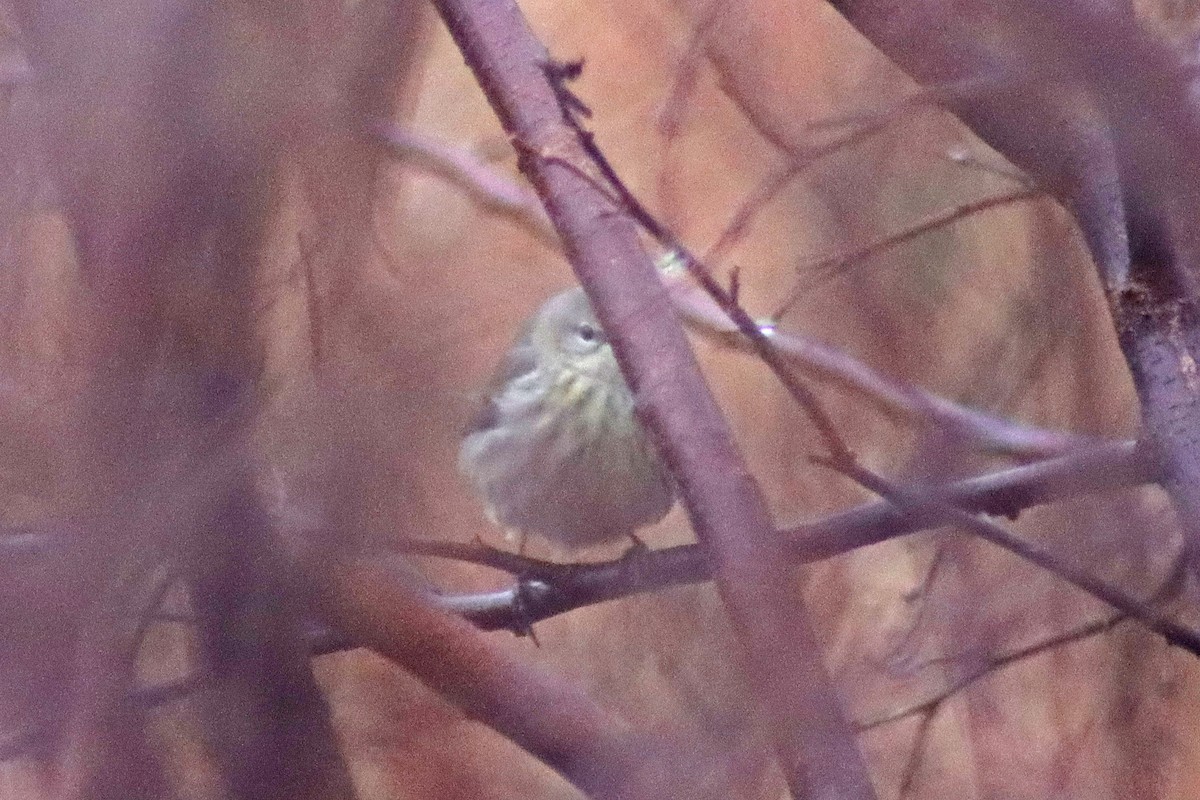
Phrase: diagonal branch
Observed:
(484, 184)
(902, 400)
(541, 712)
(993, 665)
(836, 266)
(813, 740)
(927, 505)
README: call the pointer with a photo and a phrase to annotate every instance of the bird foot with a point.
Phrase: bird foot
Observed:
(636, 547)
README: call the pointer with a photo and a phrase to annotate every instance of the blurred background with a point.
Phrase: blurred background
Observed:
(385, 292)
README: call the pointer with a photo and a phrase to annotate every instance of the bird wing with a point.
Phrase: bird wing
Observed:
(521, 359)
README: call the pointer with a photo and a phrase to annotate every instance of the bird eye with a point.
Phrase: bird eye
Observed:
(587, 332)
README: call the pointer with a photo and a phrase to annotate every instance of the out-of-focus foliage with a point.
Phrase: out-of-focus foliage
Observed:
(387, 295)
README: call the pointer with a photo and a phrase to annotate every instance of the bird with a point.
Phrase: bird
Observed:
(557, 450)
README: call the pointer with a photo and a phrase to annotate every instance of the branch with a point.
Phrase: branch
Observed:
(813, 740)
(1115, 139)
(164, 185)
(719, 310)
(895, 397)
(724, 304)
(899, 398)
(552, 589)
(833, 267)
(925, 504)
(547, 716)
(994, 664)
(548, 589)
(105, 749)
(920, 502)
(800, 159)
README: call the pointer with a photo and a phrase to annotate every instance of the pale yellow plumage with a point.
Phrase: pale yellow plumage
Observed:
(557, 450)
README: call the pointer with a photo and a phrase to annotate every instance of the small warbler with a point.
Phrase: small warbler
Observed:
(556, 449)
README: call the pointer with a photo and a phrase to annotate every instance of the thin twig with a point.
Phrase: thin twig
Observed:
(759, 337)
(819, 273)
(993, 665)
(483, 183)
(148, 615)
(799, 162)
(902, 653)
(895, 397)
(1122, 162)
(670, 117)
(920, 743)
(725, 299)
(863, 124)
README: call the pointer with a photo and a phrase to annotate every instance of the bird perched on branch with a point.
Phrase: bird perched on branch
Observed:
(557, 450)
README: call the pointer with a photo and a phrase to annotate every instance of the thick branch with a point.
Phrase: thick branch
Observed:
(549, 717)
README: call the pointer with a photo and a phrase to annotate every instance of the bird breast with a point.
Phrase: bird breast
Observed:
(568, 460)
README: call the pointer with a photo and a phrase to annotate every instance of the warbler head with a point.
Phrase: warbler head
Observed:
(565, 335)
